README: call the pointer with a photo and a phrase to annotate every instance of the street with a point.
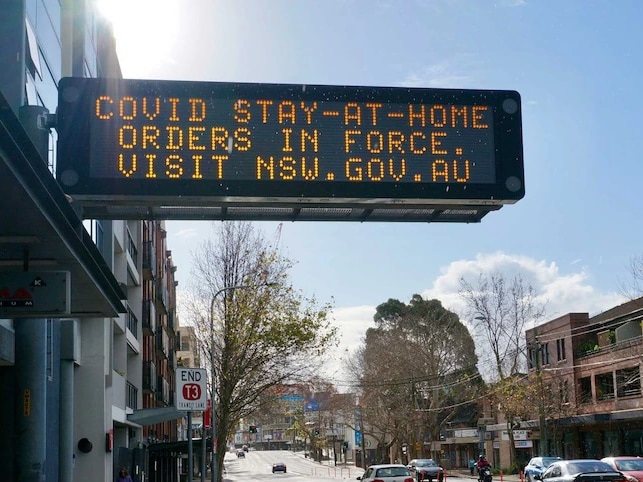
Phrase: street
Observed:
(257, 466)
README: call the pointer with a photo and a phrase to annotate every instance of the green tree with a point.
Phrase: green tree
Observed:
(258, 331)
(419, 356)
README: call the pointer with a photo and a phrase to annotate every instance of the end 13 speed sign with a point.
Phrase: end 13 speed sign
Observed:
(191, 392)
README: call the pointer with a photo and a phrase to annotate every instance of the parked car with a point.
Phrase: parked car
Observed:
(581, 470)
(426, 469)
(632, 467)
(387, 473)
(537, 466)
(278, 467)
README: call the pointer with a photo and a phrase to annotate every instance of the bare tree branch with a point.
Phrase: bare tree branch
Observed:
(264, 334)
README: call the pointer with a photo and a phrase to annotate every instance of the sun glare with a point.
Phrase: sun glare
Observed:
(145, 31)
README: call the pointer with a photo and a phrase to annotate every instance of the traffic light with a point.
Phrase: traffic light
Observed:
(252, 429)
(316, 431)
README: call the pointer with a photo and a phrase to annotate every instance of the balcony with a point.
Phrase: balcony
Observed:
(162, 390)
(149, 261)
(171, 317)
(131, 248)
(161, 299)
(162, 342)
(149, 377)
(149, 318)
(132, 322)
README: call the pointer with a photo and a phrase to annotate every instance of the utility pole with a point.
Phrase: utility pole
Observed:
(538, 353)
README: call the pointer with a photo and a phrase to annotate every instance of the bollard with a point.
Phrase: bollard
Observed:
(500, 475)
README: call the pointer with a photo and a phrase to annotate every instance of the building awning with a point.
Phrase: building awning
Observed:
(152, 416)
(40, 230)
(180, 447)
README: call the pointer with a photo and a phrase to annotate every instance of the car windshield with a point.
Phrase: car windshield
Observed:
(392, 472)
(629, 464)
(547, 461)
(425, 463)
(588, 466)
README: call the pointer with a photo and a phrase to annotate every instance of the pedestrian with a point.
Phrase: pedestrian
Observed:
(123, 475)
(472, 465)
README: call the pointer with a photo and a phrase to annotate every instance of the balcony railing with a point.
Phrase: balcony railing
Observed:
(149, 318)
(163, 390)
(162, 341)
(161, 295)
(171, 316)
(131, 248)
(149, 376)
(132, 322)
(149, 261)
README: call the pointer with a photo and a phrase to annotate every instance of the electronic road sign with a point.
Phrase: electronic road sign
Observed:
(171, 149)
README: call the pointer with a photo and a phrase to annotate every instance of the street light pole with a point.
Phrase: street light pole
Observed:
(213, 420)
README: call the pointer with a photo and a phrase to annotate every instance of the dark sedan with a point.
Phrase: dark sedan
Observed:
(426, 469)
(278, 467)
(581, 470)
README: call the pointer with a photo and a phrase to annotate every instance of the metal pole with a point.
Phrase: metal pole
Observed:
(190, 469)
(213, 419)
(541, 402)
(30, 396)
(213, 422)
(203, 451)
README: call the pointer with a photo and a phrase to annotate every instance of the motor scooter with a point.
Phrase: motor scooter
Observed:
(484, 474)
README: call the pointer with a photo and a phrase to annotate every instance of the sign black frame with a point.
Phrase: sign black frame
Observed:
(77, 95)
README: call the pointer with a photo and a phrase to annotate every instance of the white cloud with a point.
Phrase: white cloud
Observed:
(352, 323)
(437, 75)
(562, 292)
(458, 71)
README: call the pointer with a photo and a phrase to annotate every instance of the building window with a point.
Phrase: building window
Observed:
(563, 392)
(545, 353)
(628, 382)
(185, 343)
(605, 386)
(535, 355)
(560, 349)
(585, 390)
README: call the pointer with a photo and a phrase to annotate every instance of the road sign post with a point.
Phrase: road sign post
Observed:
(191, 395)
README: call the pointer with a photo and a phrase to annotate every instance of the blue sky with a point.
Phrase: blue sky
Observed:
(576, 63)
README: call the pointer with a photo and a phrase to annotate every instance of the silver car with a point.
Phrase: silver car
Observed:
(387, 473)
